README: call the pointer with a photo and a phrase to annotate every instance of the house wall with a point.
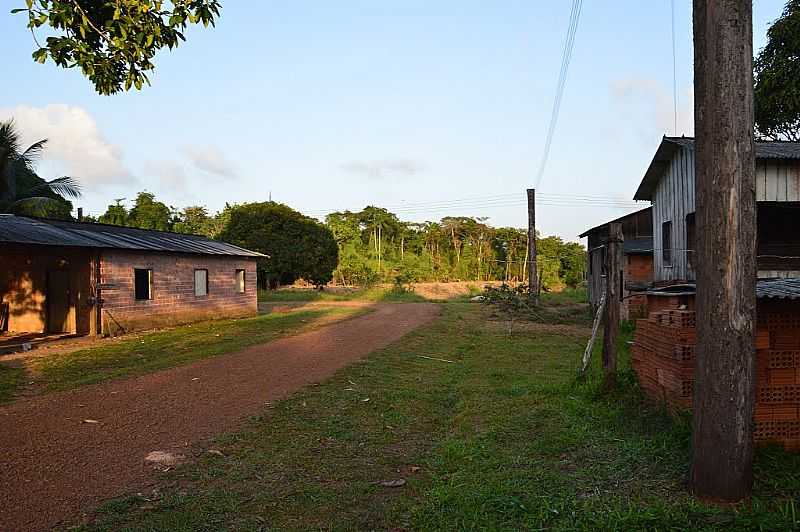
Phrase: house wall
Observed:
(23, 286)
(634, 226)
(674, 198)
(595, 270)
(173, 299)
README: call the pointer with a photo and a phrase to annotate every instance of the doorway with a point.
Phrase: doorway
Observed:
(58, 302)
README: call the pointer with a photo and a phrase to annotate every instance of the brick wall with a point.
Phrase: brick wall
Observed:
(173, 299)
(638, 269)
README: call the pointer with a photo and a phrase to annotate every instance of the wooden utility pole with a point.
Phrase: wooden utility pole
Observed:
(724, 390)
(612, 303)
(533, 278)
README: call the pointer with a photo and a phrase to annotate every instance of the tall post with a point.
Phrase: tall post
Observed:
(724, 390)
(533, 278)
(613, 297)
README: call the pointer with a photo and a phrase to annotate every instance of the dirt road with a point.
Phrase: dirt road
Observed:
(54, 465)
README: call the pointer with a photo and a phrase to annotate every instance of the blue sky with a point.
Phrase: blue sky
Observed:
(393, 103)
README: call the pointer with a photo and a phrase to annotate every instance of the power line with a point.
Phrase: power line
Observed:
(503, 200)
(674, 73)
(566, 57)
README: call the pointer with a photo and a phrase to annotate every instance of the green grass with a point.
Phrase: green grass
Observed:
(11, 378)
(148, 352)
(503, 438)
(376, 293)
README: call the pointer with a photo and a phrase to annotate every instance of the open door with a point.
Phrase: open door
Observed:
(58, 302)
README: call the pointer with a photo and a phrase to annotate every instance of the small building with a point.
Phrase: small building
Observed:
(637, 232)
(669, 183)
(86, 278)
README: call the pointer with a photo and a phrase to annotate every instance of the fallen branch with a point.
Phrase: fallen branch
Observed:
(587, 354)
(439, 359)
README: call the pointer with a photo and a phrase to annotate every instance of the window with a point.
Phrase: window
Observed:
(240, 281)
(142, 284)
(666, 243)
(200, 283)
(690, 239)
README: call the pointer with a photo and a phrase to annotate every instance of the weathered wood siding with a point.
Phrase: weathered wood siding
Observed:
(674, 199)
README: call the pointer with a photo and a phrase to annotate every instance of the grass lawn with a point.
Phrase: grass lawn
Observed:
(10, 380)
(153, 351)
(376, 293)
(500, 438)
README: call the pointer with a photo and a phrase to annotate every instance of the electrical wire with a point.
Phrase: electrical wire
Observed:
(566, 58)
(674, 73)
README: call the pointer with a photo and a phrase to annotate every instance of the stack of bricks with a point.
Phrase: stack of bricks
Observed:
(663, 358)
(777, 416)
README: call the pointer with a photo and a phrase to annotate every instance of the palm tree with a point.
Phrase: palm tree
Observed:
(22, 191)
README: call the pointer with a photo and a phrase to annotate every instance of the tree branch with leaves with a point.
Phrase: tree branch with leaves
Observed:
(113, 42)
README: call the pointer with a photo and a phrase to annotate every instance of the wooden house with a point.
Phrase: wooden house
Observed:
(669, 184)
(637, 231)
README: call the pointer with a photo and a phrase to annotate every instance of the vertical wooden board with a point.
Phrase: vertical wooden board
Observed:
(793, 182)
(771, 193)
(761, 182)
(782, 185)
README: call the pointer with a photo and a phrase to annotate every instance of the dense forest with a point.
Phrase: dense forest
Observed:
(371, 246)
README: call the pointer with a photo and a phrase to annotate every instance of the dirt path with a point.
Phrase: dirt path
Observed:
(54, 466)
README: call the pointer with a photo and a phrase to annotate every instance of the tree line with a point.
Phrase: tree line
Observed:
(365, 247)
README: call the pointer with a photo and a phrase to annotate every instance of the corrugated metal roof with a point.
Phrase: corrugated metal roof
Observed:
(669, 145)
(778, 289)
(765, 289)
(25, 230)
(616, 220)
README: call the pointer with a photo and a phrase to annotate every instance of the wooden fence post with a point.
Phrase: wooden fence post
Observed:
(613, 296)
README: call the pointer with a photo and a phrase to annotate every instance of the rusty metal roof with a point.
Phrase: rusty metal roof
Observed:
(46, 232)
(778, 289)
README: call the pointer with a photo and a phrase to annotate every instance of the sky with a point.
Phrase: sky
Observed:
(431, 109)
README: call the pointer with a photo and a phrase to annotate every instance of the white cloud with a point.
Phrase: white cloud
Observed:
(383, 169)
(170, 175)
(636, 95)
(75, 144)
(211, 160)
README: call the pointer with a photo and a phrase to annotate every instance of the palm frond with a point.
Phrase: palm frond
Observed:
(63, 186)
(9, 138)
(33, 151)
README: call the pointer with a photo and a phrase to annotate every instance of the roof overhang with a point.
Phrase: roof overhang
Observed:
(664, 154)
(616, 220)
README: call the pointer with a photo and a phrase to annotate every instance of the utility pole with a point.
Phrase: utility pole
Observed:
(724, 389)
(533, 279)
(612, 303)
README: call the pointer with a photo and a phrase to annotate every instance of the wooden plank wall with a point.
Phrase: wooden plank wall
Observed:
(674, 199)
(777, 180)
